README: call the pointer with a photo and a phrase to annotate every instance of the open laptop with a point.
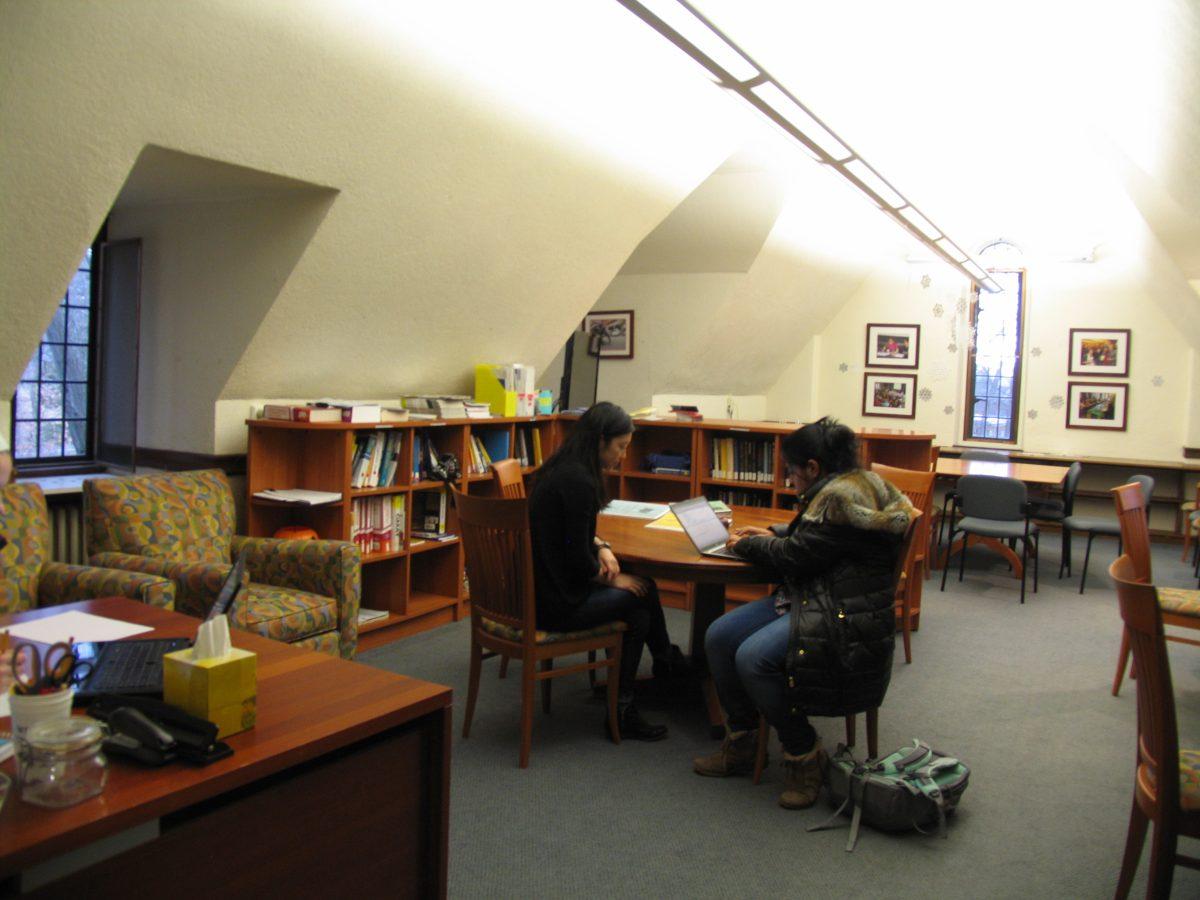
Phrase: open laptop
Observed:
(701, 524)
(135, 667)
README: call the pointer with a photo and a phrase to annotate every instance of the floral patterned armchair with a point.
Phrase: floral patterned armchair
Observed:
(180, 525)
(29, 579)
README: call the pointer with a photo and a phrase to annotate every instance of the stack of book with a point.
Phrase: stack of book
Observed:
(477, 410)
(450, 407)
(686, 413)
(376, 459)
(430, 510)
(301, 496)
(377, 523)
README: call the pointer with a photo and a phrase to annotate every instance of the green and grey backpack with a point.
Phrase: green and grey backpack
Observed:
(912, 787)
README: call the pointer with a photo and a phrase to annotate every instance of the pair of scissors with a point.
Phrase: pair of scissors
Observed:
(36, 673)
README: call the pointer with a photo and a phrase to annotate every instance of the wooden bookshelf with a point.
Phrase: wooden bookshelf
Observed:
(420, 583)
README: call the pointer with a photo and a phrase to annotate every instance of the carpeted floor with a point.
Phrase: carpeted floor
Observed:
(1021, 694)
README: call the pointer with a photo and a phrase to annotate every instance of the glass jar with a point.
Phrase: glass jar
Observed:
(66, 765)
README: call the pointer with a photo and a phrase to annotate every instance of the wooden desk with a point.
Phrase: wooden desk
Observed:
(342, 787)
(658, 553)
(1038, 476)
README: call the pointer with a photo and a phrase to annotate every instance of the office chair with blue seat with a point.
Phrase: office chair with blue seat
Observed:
(1095, 525)
(950, 501)
(994, 507)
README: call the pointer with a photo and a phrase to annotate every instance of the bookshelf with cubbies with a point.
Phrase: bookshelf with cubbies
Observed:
(417, 580)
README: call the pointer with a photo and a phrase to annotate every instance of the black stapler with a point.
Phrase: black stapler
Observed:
(155, 733)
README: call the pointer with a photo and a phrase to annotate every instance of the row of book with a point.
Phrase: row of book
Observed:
(426, 457)
(743, 459)
(455, 406)
(430, 511)
(377, 523)
(480, 460)
(733, 497)
(335, 411)
(376, 459)
(528, 450)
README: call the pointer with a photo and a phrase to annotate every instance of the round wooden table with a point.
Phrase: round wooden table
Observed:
(660, 553)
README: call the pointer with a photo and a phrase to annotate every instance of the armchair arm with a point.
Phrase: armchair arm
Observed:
(131, 562)
(198, 584)
(329, 568)
(62, 583)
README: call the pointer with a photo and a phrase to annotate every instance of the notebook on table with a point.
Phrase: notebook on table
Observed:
(135, 667)
(701, 524)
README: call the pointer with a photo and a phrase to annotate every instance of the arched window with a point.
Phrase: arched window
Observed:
(993, 389)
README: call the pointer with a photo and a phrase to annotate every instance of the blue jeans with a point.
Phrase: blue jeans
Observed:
(643, 615)
(746, 652)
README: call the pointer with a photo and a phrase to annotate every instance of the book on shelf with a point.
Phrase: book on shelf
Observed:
(438, 537)
(495, 442)
(370, 615)
(450, 408)
(477, 410)
(429, 512)
(686, 412)
(285, 413)
(377, 523)
(743, 459)
(393, 414)
(300, 496)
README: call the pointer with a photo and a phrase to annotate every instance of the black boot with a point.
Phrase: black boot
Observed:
(633, 727)
(675, 667)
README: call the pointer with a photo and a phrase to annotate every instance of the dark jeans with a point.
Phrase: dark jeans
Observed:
(746, 651)
(642, 615)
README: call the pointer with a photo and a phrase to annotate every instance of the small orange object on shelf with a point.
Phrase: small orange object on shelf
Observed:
(296, 533)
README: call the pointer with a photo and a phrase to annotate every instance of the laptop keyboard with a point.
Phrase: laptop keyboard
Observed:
(138, 666)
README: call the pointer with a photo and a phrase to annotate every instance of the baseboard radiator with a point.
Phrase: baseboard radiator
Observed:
(66, 530)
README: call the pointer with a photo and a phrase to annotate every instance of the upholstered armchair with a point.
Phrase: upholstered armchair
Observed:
(28, 578)
(180, 525)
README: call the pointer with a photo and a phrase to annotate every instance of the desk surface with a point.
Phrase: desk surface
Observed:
(1030, 473)
(309, 704)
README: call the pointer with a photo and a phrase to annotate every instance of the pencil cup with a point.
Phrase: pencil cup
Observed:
(29, 709)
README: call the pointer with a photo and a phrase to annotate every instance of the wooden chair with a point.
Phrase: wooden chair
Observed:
(1166, 787)
(1180, 606)
(1191, 522)
(507, 476)
(918, 488)
(872, 714)
(499, 560)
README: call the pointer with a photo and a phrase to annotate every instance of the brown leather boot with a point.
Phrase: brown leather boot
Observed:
(802, 778)
(736, 756)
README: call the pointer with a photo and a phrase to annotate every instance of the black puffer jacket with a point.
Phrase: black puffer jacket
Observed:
(836, 564)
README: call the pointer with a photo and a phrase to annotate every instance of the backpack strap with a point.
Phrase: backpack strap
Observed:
(923, 780)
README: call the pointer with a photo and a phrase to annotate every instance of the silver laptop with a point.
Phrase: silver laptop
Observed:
(707, 532)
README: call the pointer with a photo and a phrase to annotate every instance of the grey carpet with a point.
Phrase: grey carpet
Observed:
(1019, 693)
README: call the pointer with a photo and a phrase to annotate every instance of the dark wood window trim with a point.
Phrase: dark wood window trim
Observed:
(969, 389)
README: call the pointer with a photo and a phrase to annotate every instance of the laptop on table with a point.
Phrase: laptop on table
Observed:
(135, 667)
(701, 524)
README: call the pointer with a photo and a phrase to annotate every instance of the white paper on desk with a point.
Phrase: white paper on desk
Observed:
(634, 509)
(76, 626)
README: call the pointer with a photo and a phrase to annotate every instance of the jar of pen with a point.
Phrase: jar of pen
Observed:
(59, 761)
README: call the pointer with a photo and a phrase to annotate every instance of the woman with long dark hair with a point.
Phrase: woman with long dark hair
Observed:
(578, 579)
(822, 643)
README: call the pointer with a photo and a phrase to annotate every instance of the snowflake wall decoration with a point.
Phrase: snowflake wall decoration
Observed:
(1036, 351)
(948, 410)
(1056, 402)
(938, 310)
(1032, 414)
(926, 281)
(925, 394)
(952, 347)
(961, 305)
(1157, 381)
(844, 367)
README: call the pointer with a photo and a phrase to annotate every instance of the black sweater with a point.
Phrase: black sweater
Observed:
(562, 517)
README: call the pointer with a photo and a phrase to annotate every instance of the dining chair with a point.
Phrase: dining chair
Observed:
(903, 558)
(1191, 524)
(1166, 785)
(1095, 525)
(997, 508)
(1055, 509)
(950, 500)
(499, 562)
(918, 488)
(1180, 606)
(507, 476)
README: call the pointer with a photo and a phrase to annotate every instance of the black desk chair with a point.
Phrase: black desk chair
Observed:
(950, 501)
(1095, 525)
(996, 508)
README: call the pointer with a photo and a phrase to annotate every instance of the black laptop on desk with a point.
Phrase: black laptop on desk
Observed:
(135, 667)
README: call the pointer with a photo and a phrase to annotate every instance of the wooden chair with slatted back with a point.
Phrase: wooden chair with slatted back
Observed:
(872, 715)
(1166, 788)
(499, 561)
(918, 488)
(1180, 606)
(507, 476)
(1191, 522)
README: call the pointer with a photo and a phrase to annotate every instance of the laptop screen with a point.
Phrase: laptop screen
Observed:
(700, 523)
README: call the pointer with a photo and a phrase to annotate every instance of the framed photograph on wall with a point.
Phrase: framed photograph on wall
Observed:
(1097, 405)
(893, 346)
(610, 334)
(893, 396)
(1102, 352)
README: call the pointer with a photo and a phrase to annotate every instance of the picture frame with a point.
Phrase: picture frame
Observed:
(610, 333)
(1098, 405)
(893, 346)
(1099, 352)
(888, 395)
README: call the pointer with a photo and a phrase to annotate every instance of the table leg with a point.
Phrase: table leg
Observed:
(708, 606)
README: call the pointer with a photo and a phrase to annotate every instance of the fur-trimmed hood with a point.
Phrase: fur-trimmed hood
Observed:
(863, 500)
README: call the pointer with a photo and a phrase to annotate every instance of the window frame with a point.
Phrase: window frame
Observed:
(969, 398)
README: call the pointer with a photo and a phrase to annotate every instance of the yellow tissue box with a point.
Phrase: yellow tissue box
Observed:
(223, 690)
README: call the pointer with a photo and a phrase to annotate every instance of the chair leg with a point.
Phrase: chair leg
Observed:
(547, 666)
(472, 687)
(1086, 556)
(1122, 661)
(1064, 560)
(503, 666)
(873, 732)
(851, 736)
(1162, 861)
(527, 684)
(591, 672)
(1037, 557)
(962, 555)
(760, 750)
(1134, 840)
(612, 677)
(1024, 565)
(946, 564)
(906, 625)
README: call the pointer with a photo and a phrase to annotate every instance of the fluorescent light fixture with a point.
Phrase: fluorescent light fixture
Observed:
(801, 119)
(680, 23)
(875, 182)
(688, 24)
